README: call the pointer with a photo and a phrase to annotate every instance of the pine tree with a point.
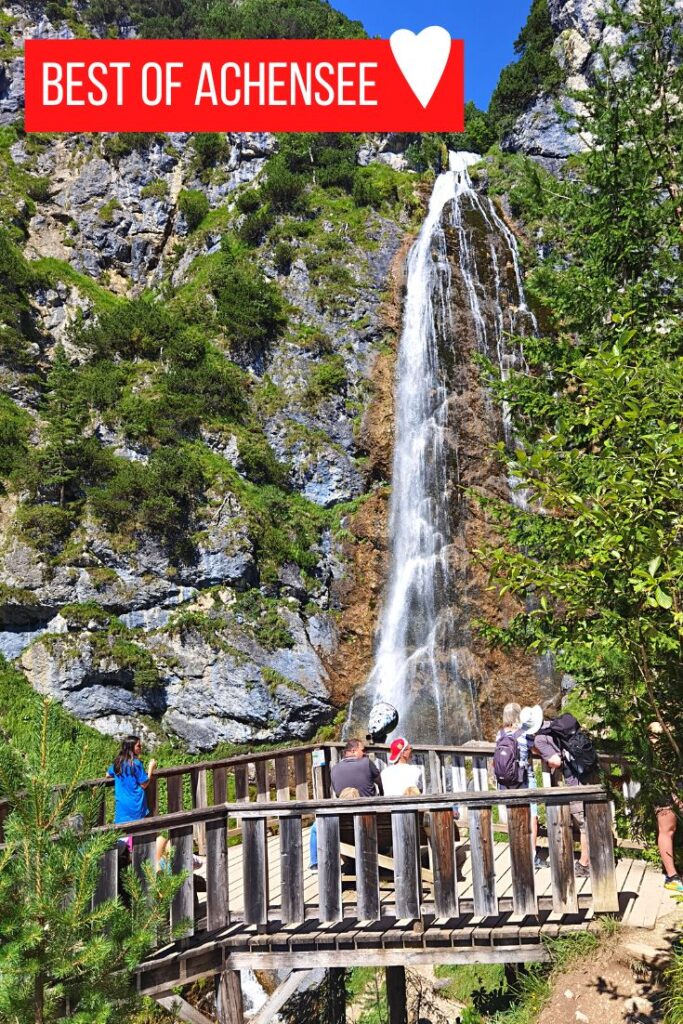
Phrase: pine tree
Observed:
(58, 954)
(65, 415)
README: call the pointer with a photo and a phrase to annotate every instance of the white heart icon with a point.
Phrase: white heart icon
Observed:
(422, 58)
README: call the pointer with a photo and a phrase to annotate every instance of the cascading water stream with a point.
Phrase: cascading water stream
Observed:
(421, 654)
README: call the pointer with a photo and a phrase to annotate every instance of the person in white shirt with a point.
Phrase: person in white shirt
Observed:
(400, 774)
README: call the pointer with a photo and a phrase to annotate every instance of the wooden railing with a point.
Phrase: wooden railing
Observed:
(281, 774)
(419, 885)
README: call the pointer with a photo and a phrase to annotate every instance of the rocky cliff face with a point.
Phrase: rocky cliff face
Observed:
(208, 647)
(580, 33)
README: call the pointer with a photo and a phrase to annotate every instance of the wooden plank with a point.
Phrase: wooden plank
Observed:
(480, 774)
(522, 861)
(262, 784)
(280, 996)
(151, 793)
(229, 1005)
(382, 957)
(217, 903)
(282, 778)
(646, 905)
(406, 849)
(367, 870)
(182, 1010)
(561, 851)
(601, 856)
(144, 852)
(336, 996)
(300, 777)
(108, 880)
(255, 871)
(220, 785)
(242, 783)
(199, 799)
(291, 870)
(329, 870)
(397, 1001)
(442, 841)
(483, 864)
(174, 793)
(459, 784)
(182, 906)
(435, 773)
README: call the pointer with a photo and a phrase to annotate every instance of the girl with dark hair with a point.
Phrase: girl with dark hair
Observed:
(130, 781)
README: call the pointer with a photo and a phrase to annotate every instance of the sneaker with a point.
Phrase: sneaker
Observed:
(313, 867)
(539, 863)
(581, 870)
(673, 883)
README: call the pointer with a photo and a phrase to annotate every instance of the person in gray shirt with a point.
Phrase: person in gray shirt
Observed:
(356, 771)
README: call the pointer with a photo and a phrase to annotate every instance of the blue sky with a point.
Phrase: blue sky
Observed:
(489, 28)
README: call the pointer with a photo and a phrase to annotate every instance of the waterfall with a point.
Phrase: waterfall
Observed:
(464, 288)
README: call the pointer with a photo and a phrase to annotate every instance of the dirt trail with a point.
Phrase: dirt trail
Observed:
(621, 983)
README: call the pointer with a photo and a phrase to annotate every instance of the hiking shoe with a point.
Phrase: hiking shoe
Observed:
(673, 883)
(581, 870)
(539, 863)
(313, 867)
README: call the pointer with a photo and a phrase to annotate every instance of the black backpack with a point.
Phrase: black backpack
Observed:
(575, 744)
(506, 767)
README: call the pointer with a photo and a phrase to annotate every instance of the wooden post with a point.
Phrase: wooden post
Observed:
(255, 870)
(521, 860)
(601, 855)
(336, 995)
(292, 870)
(396, 995)
(282, 778)
(182, 907)
(220, 785)
(367, 873)
(108, 881)
(442, 840)
(300, 779)
(561, 850)
(262, 783)
(483, 862)
(329, 869)
(229, 1006)
(407, 874)
(218, 912)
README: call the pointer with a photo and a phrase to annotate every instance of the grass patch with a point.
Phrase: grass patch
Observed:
(53, 271)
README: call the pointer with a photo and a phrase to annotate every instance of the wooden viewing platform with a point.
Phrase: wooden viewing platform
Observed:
(394, 886)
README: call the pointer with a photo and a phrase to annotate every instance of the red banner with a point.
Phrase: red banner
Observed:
(196, 85)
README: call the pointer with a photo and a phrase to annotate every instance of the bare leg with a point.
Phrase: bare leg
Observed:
(162, 845)
(666, 830)
(583, 859)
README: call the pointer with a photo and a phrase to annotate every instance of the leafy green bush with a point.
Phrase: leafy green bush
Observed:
(194, 206)
(158, 497)
(210, 148)
(283, 257)
(157, 189)
(328, 377)
(14, 428)
(373, 187)
(122, 144)
(283, 189)
(256, 225)
(249, 201)
(249, 308)
(48, 526)
(258, 459)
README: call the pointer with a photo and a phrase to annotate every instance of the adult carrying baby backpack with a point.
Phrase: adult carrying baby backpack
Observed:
(576, 746)
(506, 766)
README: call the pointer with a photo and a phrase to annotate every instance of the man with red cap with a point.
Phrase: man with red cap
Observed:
(400, 775)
